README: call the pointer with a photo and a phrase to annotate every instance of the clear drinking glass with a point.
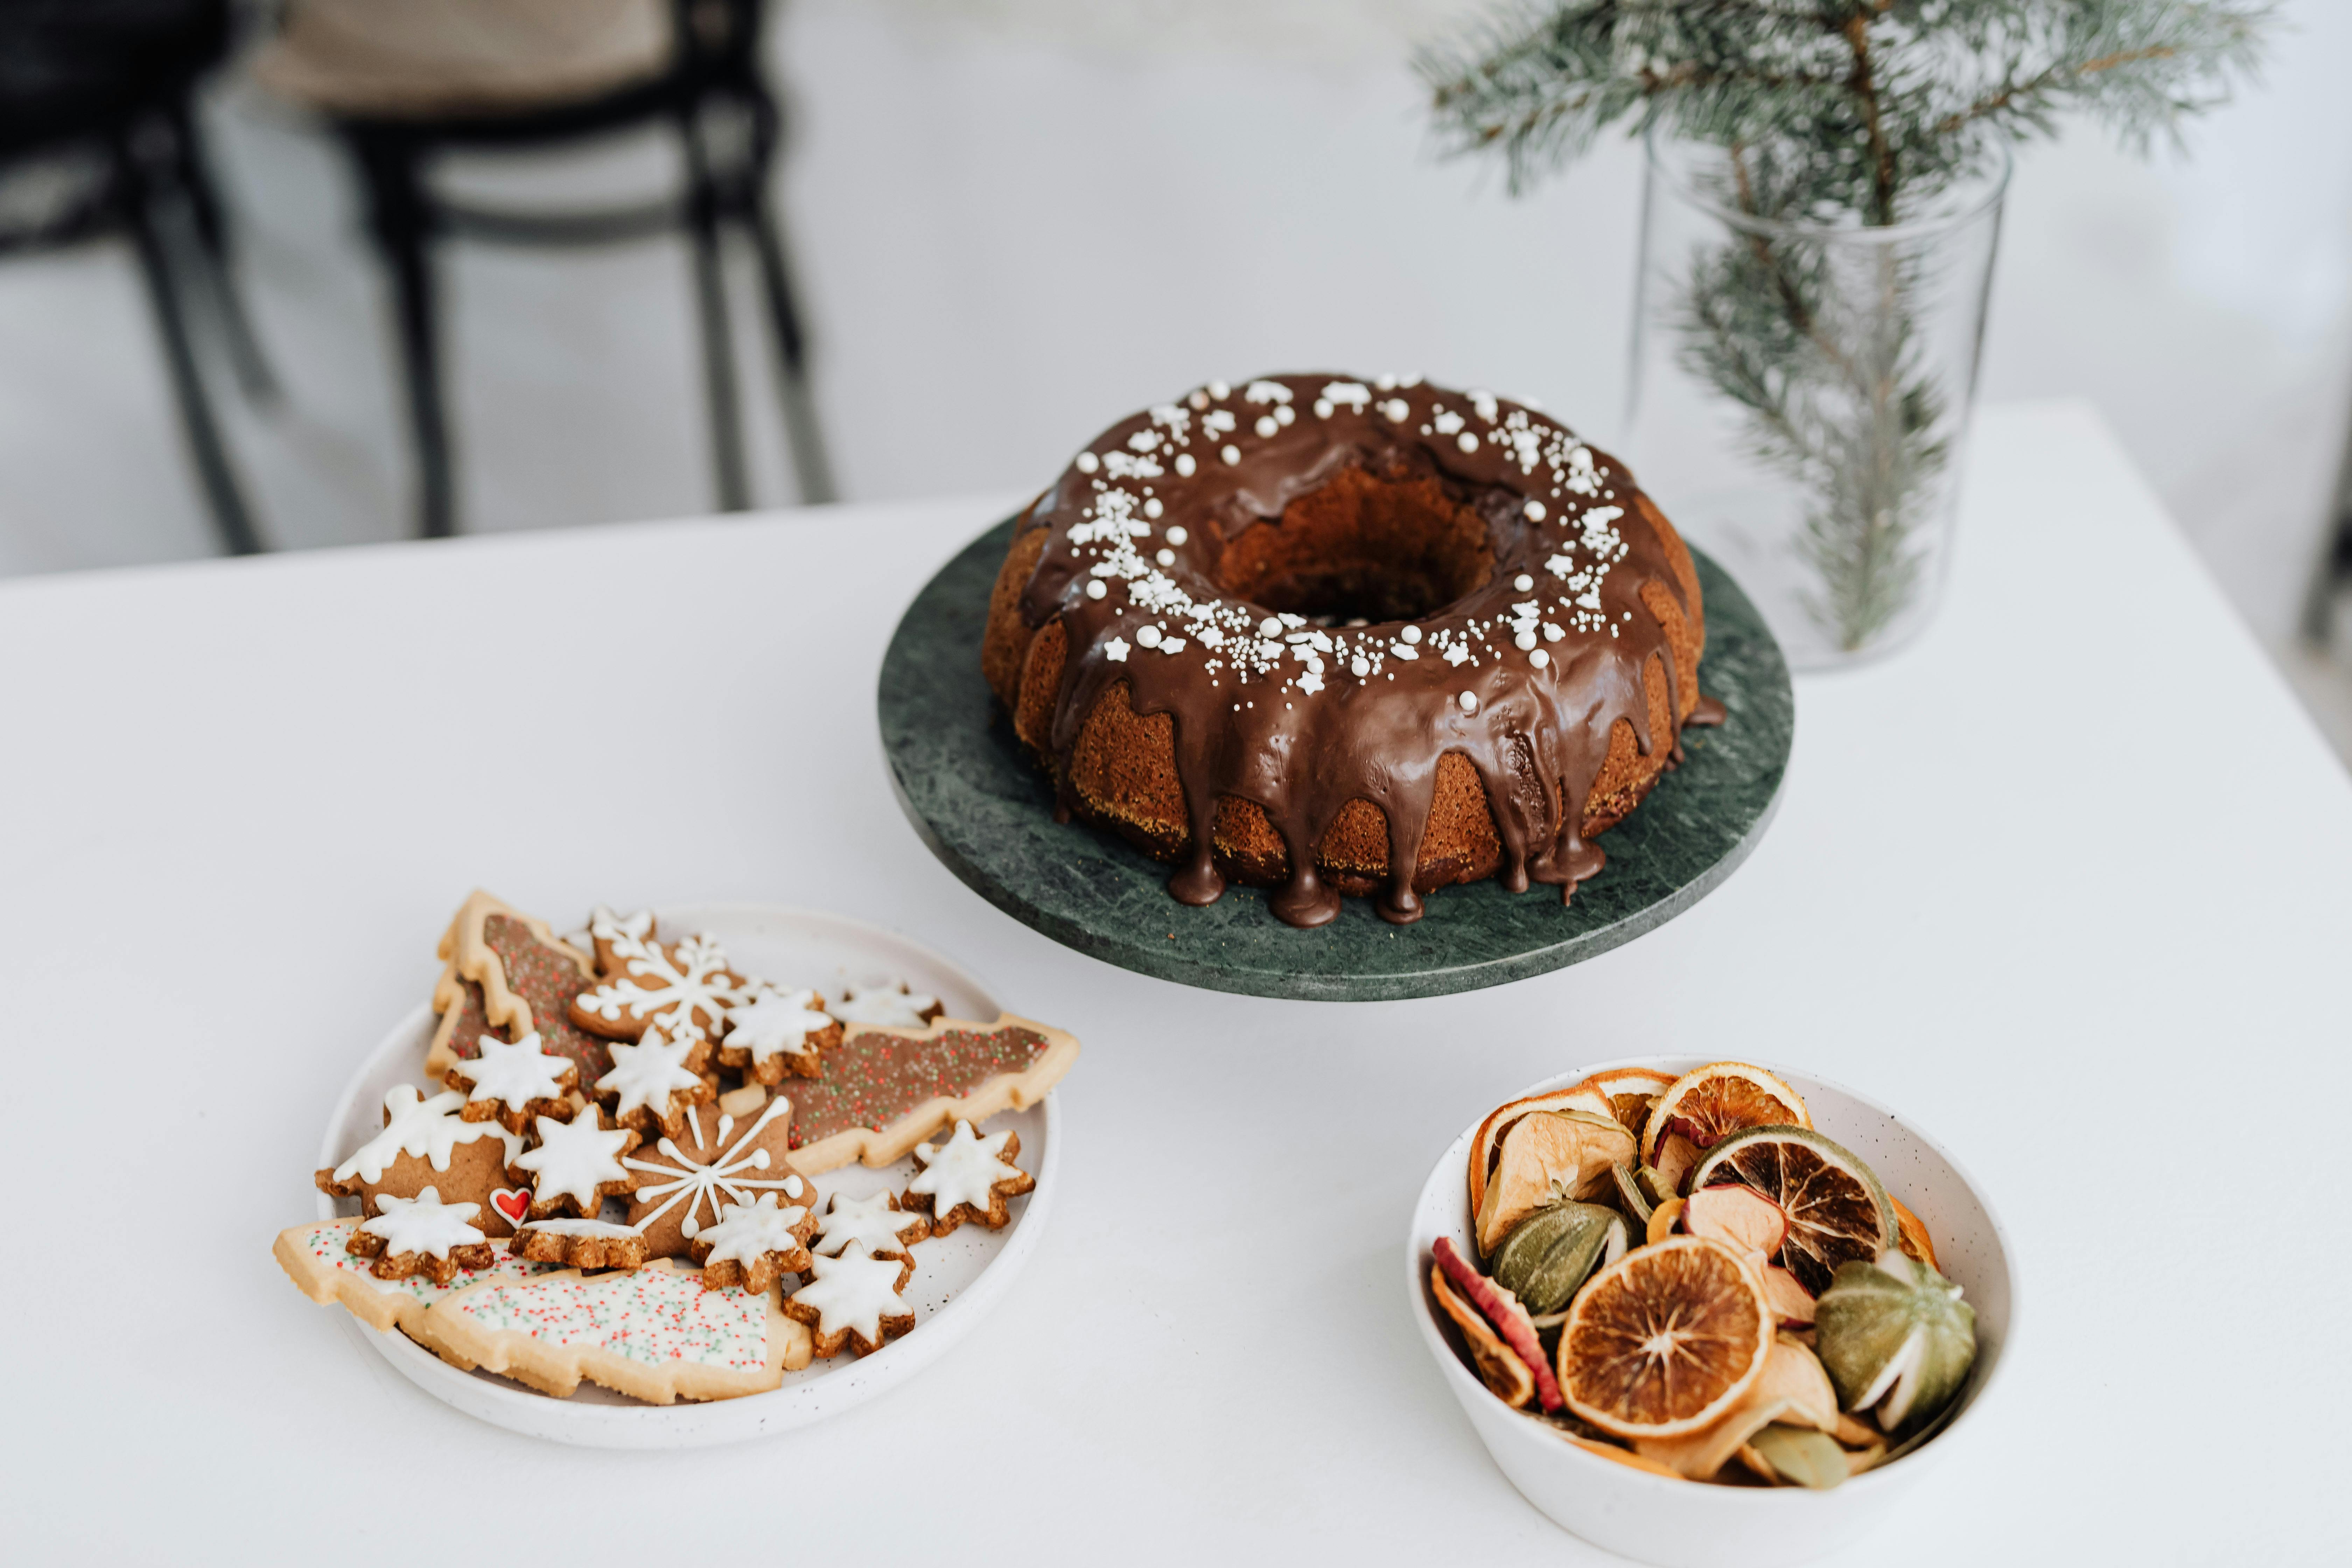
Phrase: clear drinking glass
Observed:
(1801, 393)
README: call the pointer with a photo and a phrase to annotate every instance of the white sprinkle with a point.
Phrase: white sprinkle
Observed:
(1088, 462)
(1166, 558)
(1386, 382)
(1231, 453)
(1411, 633)
(1282, 414)
(1199, 400)
(1469, 702)
(1539, 658)
(1116, 650)
(1095, 590)
(1535, 510)
(1466, 441)
(1269, 627)
(1523, 581)
(1395, 409)
(1525, 641)
(1219, 390)
(1185, 465)
(1322, 408)
(1147, 637)
(1177, 535)
(1360, 666)
(1265, 425)
(1174, 645)
(1152, 506)
(1552, 633)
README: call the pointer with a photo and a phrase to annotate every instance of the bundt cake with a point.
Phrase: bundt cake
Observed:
(1338, 636)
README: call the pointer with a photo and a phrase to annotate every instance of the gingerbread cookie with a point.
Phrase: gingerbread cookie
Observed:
(607, 931)
(318, 1258)
(892, 1004)
(504, 969)
(427, 1143)
(853, 1301)
(581, 1243)
(877, 1223)
(886, 1090)
(687, 982)
(654, 1335)
(654, 1081)
(421, 1236)
(514, 1083)
(968, 1178)
(575, 1166)
(752, 1244)
(715, 1158)
(776, 1032)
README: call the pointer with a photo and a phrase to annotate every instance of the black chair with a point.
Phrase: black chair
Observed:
(385, 104)
(98, 94)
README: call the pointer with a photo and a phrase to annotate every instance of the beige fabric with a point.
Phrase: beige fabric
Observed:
(423, 60)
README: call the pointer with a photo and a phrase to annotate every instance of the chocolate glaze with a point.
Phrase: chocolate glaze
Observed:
(1303, 735)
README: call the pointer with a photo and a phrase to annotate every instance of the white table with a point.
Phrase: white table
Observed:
(2068, 883)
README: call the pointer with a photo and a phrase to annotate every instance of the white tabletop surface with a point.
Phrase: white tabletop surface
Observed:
(2070, 883)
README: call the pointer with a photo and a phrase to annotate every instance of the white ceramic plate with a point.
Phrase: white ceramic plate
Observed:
(957, 1277)
(1692, 1525)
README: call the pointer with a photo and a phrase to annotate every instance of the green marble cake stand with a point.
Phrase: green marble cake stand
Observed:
(987, 811)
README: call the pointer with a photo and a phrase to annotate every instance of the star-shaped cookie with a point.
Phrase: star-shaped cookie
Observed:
(968, 1178)
(514, 1083)
(853, 1301)
(876, 1223)
(752, 1244)
(655, 1080)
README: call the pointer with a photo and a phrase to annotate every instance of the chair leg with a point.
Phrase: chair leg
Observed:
(230, 517)
(711, 299)
(400, 226)
(252, 371)
(803, 431)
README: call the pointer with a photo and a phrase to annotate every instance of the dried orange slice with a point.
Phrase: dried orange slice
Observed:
(1485, 1145)
(1837, 1211)
(1631, 1092)
(1911, 1235)
(1708, 1104)
(1666, 1340)
(1499, 1367)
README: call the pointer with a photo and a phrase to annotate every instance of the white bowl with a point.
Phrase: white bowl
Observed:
(1690, 1524)
(958, 1279)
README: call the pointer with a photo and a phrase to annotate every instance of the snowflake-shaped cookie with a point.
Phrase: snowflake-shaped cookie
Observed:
(878, 1223)
(686, 983)
(421, 1236)
(514, 1083)
(752, 1244)
(609, 931)
(427, 1142)
(654, 1082)
(892, 1004)
(968, 1178)
(715, 1159)
(575, 1166)
(778, 1032)
(853, 1301)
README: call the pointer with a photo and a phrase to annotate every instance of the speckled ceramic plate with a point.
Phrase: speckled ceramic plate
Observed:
(987, 811)
(957, 1277)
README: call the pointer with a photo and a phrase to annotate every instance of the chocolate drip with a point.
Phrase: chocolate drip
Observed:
(1155, 538)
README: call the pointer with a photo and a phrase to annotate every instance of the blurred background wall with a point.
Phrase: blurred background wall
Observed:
(1013, 220)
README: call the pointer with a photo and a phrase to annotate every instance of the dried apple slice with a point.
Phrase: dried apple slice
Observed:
(1708, 1104)
(1676, 1156)
(1741, 1216)
(1499, 1367)
(1486, 1142)
(1548, 1157)
(1502, 1313)
(1791, 1302)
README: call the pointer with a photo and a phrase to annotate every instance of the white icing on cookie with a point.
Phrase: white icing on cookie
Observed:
(705, 1181)
(743, 1235)
(776, 1022)
(891, 1004)
(514, 1074)
(430, 1129)
(964, 1170)
(606, 926)
(853, 1291)
(574, 1159)
(655, 981)
(645, 1074)
(561, 1225)
(870, 1222)
(424, 1224)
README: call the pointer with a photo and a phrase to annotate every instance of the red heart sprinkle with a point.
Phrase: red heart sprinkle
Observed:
(514, 1206)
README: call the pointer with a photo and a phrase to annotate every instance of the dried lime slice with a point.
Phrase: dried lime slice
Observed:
(1549, 1254)
(1837, 1211)
(1896, 1337)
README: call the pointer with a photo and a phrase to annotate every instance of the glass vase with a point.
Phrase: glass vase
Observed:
(1801, 393)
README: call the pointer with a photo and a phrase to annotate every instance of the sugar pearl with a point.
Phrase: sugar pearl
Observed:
(1466, 441)
(1088, 462)
(1185, 465)
(1265, 425)
(1151, 508)
(1269, 627)
(1469, 702)
(1360, 666)
(1552, 633)
(1095, 590)
(1535, 511)
(1386, 382)
(1218, 389)
(1231, 453)
(1395, 409)
(1523, 581)
(1322, 408)
(1199, 400)
(1282, 414)
(1525, 641)
(1177, 535)
(1147, 637)
(1539, 658)
(1411, 633)
(1166, 558)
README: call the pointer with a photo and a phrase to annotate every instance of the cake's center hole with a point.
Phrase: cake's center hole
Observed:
(1361, 547)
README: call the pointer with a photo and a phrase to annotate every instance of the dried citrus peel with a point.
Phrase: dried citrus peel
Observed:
(1502, 1313)
(1505, 1376)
